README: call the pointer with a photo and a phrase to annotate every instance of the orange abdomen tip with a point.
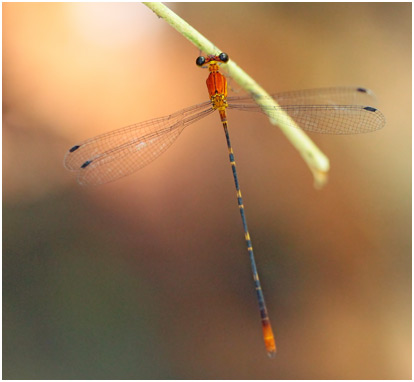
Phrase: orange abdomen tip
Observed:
(269, 339)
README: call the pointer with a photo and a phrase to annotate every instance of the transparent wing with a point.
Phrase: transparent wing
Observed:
(342, 95)
(121, 152)
(341, 110)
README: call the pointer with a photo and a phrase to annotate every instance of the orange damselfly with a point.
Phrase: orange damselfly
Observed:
(110, 156)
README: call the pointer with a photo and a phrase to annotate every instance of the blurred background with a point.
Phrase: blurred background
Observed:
(148, 277)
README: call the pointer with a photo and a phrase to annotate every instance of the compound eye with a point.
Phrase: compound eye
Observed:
(200, 61)
(223, 57)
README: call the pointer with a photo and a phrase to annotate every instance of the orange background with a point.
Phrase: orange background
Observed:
(148, 277)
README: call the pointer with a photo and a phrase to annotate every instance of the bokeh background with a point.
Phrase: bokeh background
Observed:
(148, 277)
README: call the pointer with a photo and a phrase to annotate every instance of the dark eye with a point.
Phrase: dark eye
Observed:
(223, 57)
(200, 61)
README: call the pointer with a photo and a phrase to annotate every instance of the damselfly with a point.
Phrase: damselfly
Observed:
(110, 156)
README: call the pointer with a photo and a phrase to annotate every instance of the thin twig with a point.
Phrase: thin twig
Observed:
(312, 155)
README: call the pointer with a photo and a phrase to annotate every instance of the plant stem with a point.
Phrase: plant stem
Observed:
(312, 155)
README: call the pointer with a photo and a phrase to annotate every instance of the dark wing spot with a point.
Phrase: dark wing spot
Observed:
(369, 108)
(87, 163)
(74, 148)
(362, 90)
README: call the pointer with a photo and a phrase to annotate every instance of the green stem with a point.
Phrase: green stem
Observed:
(312, 155)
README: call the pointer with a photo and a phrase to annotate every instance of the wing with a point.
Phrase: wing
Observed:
(342, 95)
(341, 110)
(121, 152)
